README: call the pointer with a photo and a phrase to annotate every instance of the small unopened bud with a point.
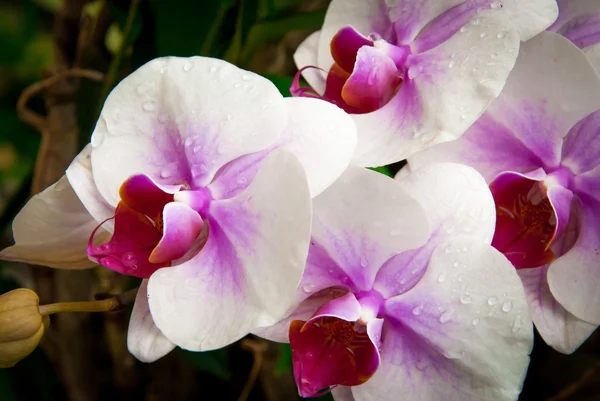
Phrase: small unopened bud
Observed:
(21, 325)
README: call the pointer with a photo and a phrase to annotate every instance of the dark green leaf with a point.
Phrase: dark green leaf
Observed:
(284, 360)
(213, 362)
(383, 170)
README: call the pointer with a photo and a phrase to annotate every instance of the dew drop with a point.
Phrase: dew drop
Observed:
(363, 262)
(494, 55)
(246, 77)
(492, 301)
(197, 148)
(466, 298)
(199, 169)
(213, 68)
(455, 264)
(517, 324)
(242, 180)
(495, 4)
(475, 321)
(451, 64)
(501, 34)
(129, 259)
(462, 29)
(507, 306)
(449, 249)
(187, 66)
(483, 34)
(446, 316)
(168, 170)
(148, 105)
(442, 277)
(417, 310)
(188, 141)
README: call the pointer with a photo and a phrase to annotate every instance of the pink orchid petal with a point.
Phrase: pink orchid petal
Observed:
(525, 220)
(330, 349)
(141, 194)
(53, 230)
(373, 82)
(246, 274)
(344, 47)
(576, 272)
(581, 147)
(458, 202)
(348, 252)
(179, 120)
(132, 242)
(144, 339)
(578, 21)
(181, 228)
(560, 329)
(462, 333)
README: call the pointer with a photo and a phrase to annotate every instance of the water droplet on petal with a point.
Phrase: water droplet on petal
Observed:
(446, 316)
(199, 169)
(246, 77)
(517, 324)
(213, 68)
(492, 301)
(483, 34)
(494, 55)
(148, 105)
(501, 34)
(363, 262)
(187, 66)
(466, 298)
(475, 321)
(462, 29)
(442, 277)
(197, 148)
(507, 306)
(451, 64)
(168, 170)
(455, 264)
(417, 310)
(129, 259)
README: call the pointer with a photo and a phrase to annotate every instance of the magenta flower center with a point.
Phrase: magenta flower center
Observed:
(151, 230)
(525, 222)
(330, 351)
(366, 73)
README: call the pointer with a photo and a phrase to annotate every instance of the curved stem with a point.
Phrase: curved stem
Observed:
(258, 348)
(111, 304)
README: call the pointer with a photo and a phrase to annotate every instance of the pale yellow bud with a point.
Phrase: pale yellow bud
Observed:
(21, 325)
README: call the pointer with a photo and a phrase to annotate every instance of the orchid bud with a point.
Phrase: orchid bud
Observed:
(21, 325)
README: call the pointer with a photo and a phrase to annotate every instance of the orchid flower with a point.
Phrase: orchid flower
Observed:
(198, 179)
(538, 145)
(579, 21)
(415, 73)
(405, 295)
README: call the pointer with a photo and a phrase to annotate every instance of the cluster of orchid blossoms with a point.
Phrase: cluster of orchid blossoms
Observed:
(246, 212)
